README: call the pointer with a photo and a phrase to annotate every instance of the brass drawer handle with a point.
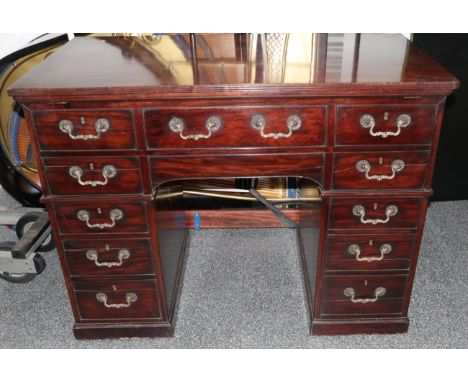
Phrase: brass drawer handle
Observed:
(108, 171)
(367, 121)
(212, 124)
(355, 250)
(130, 298)
(350, 292)
(360, 211)
(364, 166)
(101, 125)
(123, 254)
(293, 123)
(114, 215)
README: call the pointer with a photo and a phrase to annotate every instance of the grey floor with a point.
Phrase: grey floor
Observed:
(243, 289)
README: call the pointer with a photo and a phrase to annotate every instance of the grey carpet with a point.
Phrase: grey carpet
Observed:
(243, 289)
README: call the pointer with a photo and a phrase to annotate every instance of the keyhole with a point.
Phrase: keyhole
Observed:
(371, 242)
(114, 287)
(82, 120)
(91, 166)
(385, 116)
(107, 247)
(380, 160)
(375, 206)
(99, 211)
(365, 282)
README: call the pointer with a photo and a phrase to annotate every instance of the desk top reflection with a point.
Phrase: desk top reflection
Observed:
(190, 64)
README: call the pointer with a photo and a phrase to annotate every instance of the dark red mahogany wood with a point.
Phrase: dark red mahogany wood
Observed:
(133, 219)
(413, 174)
(127, 179)
(139, 85)
(145, 306)
(139, 259)
(342, 217)
(165, 168)
(124, 70)
(419, 131)
(339, 258)
(251, 218)
(364, 286)
(335, 302)
(235, 122)
(119, 136)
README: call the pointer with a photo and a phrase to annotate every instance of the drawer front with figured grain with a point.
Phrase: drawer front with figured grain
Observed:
(114, 257)
(265, 126)
(88, 129)
(363, 295)
(93, 175)
(101, 217)
(166, 167)
(385, 170)
(374, 213)
(385, 124)
(368, 252)
(116, 299)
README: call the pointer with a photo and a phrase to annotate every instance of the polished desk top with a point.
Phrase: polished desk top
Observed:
(183, 65)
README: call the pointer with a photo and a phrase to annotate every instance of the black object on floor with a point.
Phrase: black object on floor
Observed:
(450, 180)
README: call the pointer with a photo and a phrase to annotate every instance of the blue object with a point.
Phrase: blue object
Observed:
(13, 130)
(293, 193)
(196, 220)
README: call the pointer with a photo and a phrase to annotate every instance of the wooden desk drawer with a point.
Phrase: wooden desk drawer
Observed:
(93, 175)
(166, 167)
(233, 126)
(374, 213)
(363, 295)
(368, 252)
(384, 124)
(113, 257)
(84, 129)
(387, 170)
(117, 299)
(101, 217)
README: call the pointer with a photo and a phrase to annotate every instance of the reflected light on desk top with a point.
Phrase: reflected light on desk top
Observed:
(271, 58)
(101, 61)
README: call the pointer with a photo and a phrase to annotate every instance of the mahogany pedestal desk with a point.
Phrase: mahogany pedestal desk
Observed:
(117, 120)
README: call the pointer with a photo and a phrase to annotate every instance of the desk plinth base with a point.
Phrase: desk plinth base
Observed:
(121, 330)
(318, 327)
(363, 326)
